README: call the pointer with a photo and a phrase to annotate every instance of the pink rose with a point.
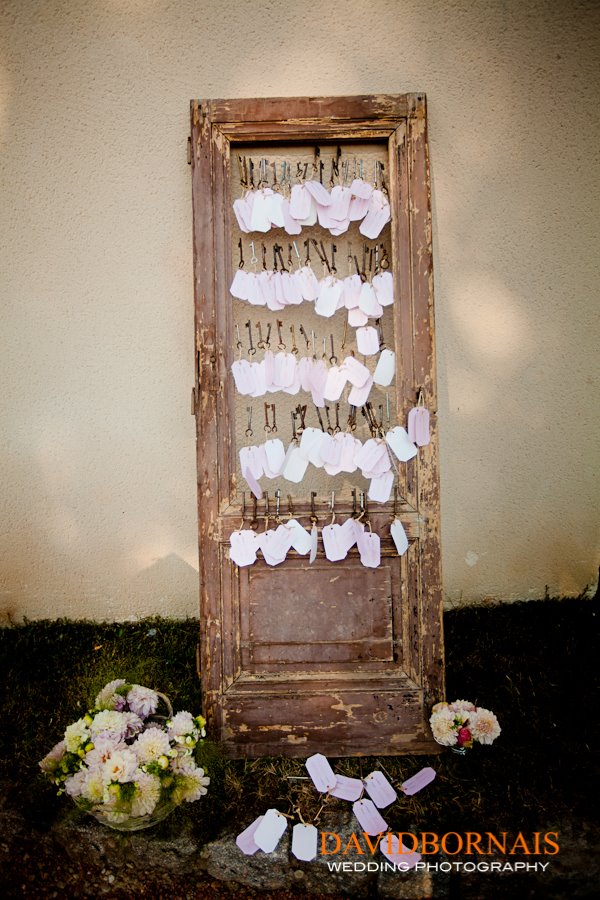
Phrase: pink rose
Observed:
(464, 737)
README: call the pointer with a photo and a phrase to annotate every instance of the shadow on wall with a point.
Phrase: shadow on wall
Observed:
(168, 587)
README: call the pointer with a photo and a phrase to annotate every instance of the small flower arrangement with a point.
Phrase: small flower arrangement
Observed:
(461, 723)
(124, 764)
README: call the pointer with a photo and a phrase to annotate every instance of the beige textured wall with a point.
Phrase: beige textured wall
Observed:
(97, 470)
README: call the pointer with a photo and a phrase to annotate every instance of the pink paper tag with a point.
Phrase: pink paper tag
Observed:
(299, 202)
(331, 450)
(357, 318)
(290, 224)
(397, 853)
(350, 446)
(369, 818)
(321, 772)
(419, 781)
(304, 841)
(361, 189)
(369, 547)
(359, 207)
(319, 193)
(352, 285)
(347, 788)
(245, 839)
(269, 831)
(380, 790)
(309, 283)
(418, 425)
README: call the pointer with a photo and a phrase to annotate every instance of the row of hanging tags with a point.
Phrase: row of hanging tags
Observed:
(296, 201)
(330, 449)
(325, 379)
(364, 293)
(337, 538)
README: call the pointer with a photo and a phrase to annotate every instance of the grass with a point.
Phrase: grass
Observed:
(534, 664)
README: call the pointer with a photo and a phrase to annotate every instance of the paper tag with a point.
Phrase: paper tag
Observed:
(358, 396)
(340, 202)
(398, 440)
(331, 450)
(274, 455)
(318, 192)
(259, 387)
(380, 790)
(380, 487)
(359, 207)
(251, 460)
(356, 373)
(369, 547)
(310, 444)
(275, 209)
(352, 285)
(371, 454)
(367, 340)
(253, 484)
(368, 816)
(291, 288)
(335, 384)
(321, 772)
(299, 202)
(419, 781)
(239, 285)
(243, 213)
(361, 189)
(314, 540)
(295, 466)
(397, 853)
(418, 425)
(385, 368)
(311, 218)
(334, 548)
(329, 293)
(347, 788)
(350, 447)
(275, 545)
(260, 219)
(243, 547)
(290, 224)
(383, 284)
(368, 302)
(309, 283)
(242, 375)
(269, 831)
(301, 541)
(357, 318)
(399, 537)
(245, 839)
(347, 534)
(304, 841)
(377, 217)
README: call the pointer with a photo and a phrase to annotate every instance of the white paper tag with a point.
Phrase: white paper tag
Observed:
(380, 790)
(367, 340)
(304, 841)
(239, 285)
(385, 368)
(377, 217)
(369, 817)
(350, 447)
(356, 373)
(335, 384)
(275, 455)
(329, 293)
(380, 487)
(260, 219)
(333, 546)
(309, 283)
(275, 209)
(299, 202)
(383, 284)
(419, 781)
(368, 302)
(321, 772)
(318, 192)
(369, 547)
(295, 466)
(301, 541)
(399, 537)
(314, 540)
(398, 440)
(242, 375)
(245, 839)
(270, 830)
(259, 388)
(243, 546)
(347, 534)
(340, 202)
(310, 444)
(352, 285)
(253, 483)
(397, 853)
(361, 189)
(357, 318)
(331, 450)
(290, 224)
(358, 396)
(347, 788)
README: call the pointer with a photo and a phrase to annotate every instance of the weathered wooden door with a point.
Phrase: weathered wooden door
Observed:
(331, 657)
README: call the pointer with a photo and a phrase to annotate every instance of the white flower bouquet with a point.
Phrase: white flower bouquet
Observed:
(126, 765)
(459, 724)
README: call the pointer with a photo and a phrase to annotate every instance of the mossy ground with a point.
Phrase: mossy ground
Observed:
(534, 664)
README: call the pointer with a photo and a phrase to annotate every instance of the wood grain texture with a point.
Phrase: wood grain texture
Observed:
(333, 657)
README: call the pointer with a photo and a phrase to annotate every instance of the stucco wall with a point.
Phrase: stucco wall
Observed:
(98, 470)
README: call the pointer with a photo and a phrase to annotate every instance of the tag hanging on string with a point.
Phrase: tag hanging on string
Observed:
(418, 423)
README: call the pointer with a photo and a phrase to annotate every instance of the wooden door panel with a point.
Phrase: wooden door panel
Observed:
(329, 657)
